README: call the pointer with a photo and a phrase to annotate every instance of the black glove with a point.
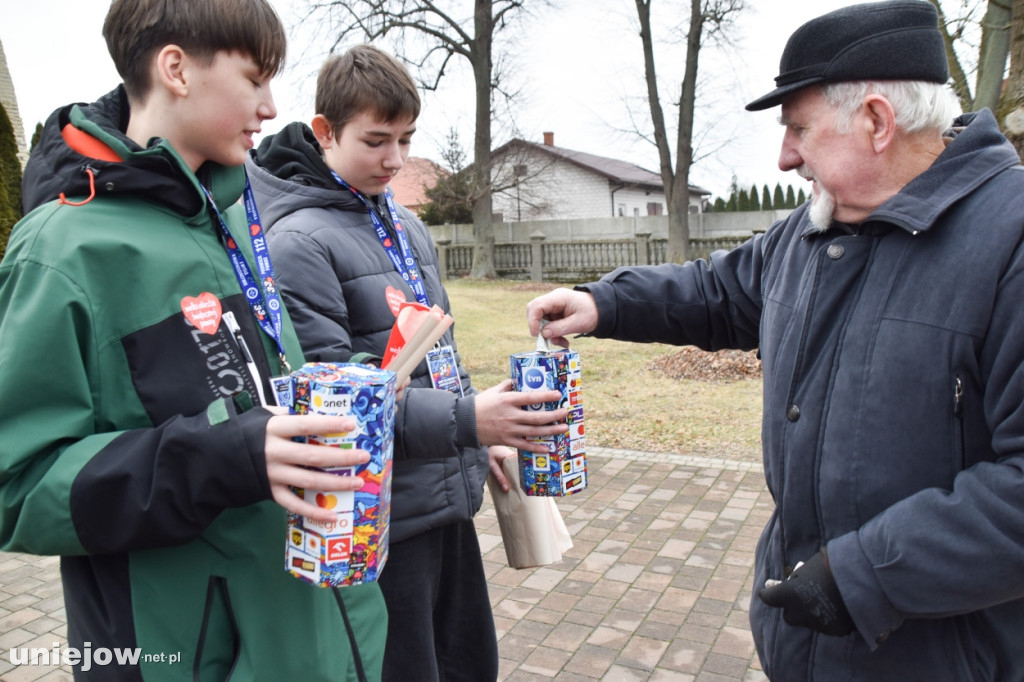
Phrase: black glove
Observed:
(810, 598)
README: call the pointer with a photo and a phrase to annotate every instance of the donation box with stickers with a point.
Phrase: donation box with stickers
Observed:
(562, 470)
(353, 548)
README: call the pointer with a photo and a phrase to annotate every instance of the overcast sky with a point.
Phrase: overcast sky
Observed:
(578, 65)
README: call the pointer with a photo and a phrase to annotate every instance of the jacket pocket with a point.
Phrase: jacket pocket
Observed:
(219, 642)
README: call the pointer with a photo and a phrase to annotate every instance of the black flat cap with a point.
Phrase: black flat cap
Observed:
(898, 40)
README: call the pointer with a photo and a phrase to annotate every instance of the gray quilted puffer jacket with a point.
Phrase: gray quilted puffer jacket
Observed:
(335, 276)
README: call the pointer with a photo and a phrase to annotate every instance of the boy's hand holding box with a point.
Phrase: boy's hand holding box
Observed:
(563, 469)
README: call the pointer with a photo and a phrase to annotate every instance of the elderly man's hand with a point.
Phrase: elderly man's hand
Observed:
(566, 312)
(810, 598)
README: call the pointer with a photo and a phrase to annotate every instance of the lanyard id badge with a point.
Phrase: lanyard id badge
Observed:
(444, 373)
(261, 294)
(283, 387)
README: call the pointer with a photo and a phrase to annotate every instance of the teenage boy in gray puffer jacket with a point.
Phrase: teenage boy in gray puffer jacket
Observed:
(346, 257)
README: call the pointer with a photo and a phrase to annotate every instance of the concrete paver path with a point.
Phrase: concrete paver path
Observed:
(656, 586)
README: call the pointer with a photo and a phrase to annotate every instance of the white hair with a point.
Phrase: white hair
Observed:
(919, 105)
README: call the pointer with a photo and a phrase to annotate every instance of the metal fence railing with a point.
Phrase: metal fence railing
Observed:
(573, 261)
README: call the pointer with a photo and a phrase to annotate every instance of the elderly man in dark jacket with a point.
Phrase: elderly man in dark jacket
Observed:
(887, 312)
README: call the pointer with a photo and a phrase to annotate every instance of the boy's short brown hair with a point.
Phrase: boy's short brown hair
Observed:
(135, 30)
(365, 79)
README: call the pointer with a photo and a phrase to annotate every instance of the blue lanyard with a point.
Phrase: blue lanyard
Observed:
(404, 262)
(261, 295)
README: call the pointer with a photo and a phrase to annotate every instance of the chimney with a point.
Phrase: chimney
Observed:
(549, 139)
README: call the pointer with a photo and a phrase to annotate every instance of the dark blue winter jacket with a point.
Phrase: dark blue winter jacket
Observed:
(893, 429)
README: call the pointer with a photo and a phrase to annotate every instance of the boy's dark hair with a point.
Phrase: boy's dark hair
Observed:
(135, 30)
(365, 79)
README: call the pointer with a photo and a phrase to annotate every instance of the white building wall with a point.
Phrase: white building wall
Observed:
(551, 189)
(555, 189)
(633, 203)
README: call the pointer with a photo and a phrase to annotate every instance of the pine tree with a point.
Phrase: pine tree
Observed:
(779, 200)
(450, 200)
(790, 198)
(10, 180)
(451, 197)
(755, 202)
(733, 203)
(766, 199)
(743, 201)
(7, 219)
(801, 198)
(734, 186)
(35, 137)
(720, 206)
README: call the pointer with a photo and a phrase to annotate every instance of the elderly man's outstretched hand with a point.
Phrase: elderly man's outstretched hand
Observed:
(566, 311)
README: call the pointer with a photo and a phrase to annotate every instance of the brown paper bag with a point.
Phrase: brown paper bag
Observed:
(532, 530)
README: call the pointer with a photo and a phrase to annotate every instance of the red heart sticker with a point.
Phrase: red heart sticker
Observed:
(202, 311)
(395, 299)
(326, 501)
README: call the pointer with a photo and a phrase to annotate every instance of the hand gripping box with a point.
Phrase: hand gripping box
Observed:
(563, 469)
(354, 548)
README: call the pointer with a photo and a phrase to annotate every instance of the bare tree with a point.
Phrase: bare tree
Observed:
(992, 56)
(992, 52)
(430, 33)
(1012, 105)
(1002, 41)
(707, 18)
(952, 33)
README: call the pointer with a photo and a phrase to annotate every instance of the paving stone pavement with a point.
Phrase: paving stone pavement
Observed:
(656, 586)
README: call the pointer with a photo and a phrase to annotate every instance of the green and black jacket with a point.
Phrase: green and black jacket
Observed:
(122, 444)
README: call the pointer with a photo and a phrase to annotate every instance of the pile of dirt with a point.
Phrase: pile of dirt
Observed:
(695, 364)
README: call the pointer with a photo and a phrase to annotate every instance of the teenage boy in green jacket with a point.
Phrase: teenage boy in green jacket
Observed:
(139, 323)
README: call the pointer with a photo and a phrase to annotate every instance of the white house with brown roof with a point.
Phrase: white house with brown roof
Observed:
(533, 181)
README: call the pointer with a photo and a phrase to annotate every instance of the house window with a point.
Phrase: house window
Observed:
(622, 210)
(654, 208)
(519, 170)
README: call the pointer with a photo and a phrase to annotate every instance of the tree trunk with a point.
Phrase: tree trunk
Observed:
(995, 46)
(483, 221)
(956, 71)
(643, 8)
(679, 207)
(1013, 97)
(678, 248)
(678, 216)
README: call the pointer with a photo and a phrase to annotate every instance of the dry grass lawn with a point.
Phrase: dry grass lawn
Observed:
(627, 405)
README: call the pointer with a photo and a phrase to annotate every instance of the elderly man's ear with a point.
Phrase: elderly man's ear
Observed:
(879, 121)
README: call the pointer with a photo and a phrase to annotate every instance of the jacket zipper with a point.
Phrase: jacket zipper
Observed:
(958, 413)
(217, 587)
(353, 643)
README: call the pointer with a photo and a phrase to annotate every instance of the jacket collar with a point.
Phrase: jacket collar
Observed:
(70, 164)
(977, 152)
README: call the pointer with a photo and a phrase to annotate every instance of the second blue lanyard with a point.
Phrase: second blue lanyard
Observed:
(401, 257)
